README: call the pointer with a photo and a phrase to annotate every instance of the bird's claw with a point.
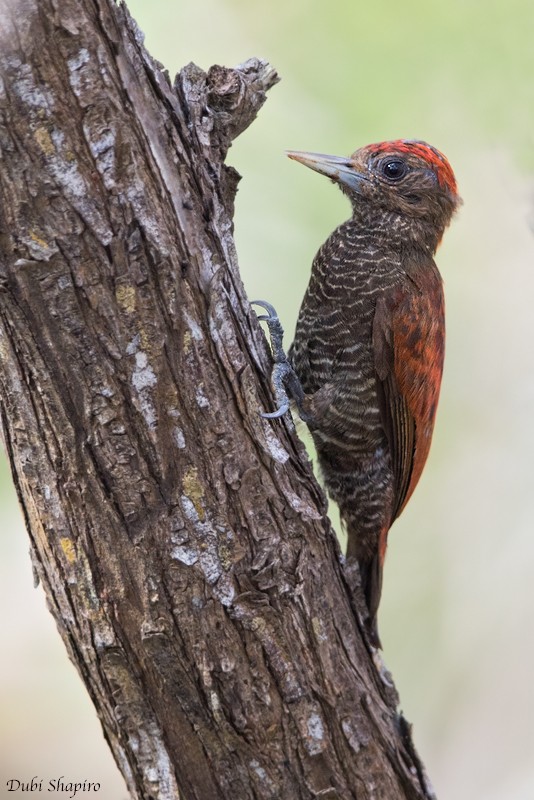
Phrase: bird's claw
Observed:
(276, 332)
(276, 414)
(271, 311)
(283, 373)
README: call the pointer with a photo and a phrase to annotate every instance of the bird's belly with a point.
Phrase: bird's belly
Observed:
(348, 415)
(358, 476)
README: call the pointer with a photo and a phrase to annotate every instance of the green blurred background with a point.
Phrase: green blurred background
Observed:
(456, 617)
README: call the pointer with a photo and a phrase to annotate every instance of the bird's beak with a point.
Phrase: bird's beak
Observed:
(339, 169)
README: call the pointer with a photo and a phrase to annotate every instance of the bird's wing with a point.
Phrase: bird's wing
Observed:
(409, 344)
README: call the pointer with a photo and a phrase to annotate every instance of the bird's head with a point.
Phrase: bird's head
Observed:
(410, 181)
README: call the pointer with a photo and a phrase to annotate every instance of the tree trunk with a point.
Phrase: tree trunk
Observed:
(181, 539)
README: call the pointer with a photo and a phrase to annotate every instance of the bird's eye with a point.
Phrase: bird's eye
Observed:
(394, 169)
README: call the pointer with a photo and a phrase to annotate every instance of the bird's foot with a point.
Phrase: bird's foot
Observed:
(284, 380)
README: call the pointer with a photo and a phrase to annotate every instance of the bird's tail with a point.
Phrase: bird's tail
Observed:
(371, 565)
(371, 578)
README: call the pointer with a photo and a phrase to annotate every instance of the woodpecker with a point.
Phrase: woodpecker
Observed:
(366, 362)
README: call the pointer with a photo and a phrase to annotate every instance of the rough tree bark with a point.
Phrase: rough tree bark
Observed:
(181, 540)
